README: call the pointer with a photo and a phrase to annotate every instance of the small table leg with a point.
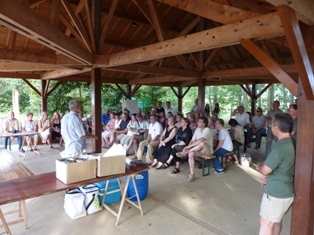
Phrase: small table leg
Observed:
(126, 199)
(5, 225)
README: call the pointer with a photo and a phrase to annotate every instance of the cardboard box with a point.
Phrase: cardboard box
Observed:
(110, 165)
(75, 172)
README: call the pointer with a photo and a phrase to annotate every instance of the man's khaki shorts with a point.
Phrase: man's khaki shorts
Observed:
(206, 151)
(273, 209)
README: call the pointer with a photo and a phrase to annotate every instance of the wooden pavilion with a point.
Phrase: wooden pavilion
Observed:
(175, 43)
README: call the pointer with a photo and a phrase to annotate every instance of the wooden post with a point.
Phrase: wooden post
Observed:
(129, 92)
(253, 100)
(302, 209)
(96, 108)
(43, 96)
(180, 99)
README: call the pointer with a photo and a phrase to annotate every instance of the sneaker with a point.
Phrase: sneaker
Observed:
(191, 178)
(22, 151)
(181, 154)
(217, 172)
(35, 149)
(31, 150)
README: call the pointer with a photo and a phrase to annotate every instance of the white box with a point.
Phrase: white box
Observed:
(74, 172)
(110, 165)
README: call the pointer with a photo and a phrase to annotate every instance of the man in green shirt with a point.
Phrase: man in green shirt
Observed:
(279, 169)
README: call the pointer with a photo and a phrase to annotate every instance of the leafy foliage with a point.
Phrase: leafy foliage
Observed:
(227, 96)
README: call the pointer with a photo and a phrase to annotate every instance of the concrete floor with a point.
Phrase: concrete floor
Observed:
(214, 204)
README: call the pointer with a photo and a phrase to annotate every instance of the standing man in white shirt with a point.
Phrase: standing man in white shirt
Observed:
(169, 109)
(73, 131)
(154, 132)
(243, 118)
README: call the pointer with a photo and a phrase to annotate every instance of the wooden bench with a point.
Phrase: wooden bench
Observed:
(205, 161)
(20, 189)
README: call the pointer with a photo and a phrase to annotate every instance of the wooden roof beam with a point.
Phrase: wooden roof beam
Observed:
(154, 80)
(298, 49)
(6, 66)
(18, 17)
(161, 33)
(147, 69)
(106, 25)
(304, 9)
(81, 30)
(211, 10)
(33, 57)
(4, 75)
(63, 73)
(260, 27)
(271, 65)
(31, 86)
(247, 72)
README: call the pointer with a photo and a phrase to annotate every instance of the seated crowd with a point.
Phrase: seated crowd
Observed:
(48, 129)
(167, 137)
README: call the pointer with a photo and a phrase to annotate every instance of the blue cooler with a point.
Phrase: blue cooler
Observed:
(113, 192)
(141, 181)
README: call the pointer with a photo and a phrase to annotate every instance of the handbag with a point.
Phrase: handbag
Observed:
(91, 201)
(74, 203)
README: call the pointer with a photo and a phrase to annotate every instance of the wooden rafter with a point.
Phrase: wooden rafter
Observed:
(174, 91)
(81, 30)
(298, 49)
(105, 28)
(263, 90)
(62, 73)
(33, 57)
(246, 90)
(304, 8)
(154, 80)
(271, 65)
(78, 9)
(71, 29)
(147, 69)
(265, 26)
(46, 88)
(90, 27)
(15, 66)
(121, 89)
(144, 10)
(161, 33)
(31, 86)
(55, 11)
(211, 10)
(135, 89)
(42, 31)
(54, 88)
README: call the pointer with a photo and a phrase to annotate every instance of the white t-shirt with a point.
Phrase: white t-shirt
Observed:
(207, 134)
(29, 126)
(224, 135)
(174, 113)
(242, 118)
(155, 129)
(72, 130)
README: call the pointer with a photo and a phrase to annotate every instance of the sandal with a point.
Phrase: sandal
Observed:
(165, 165)
(154, 164)
(158, 166)
(175, 171)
